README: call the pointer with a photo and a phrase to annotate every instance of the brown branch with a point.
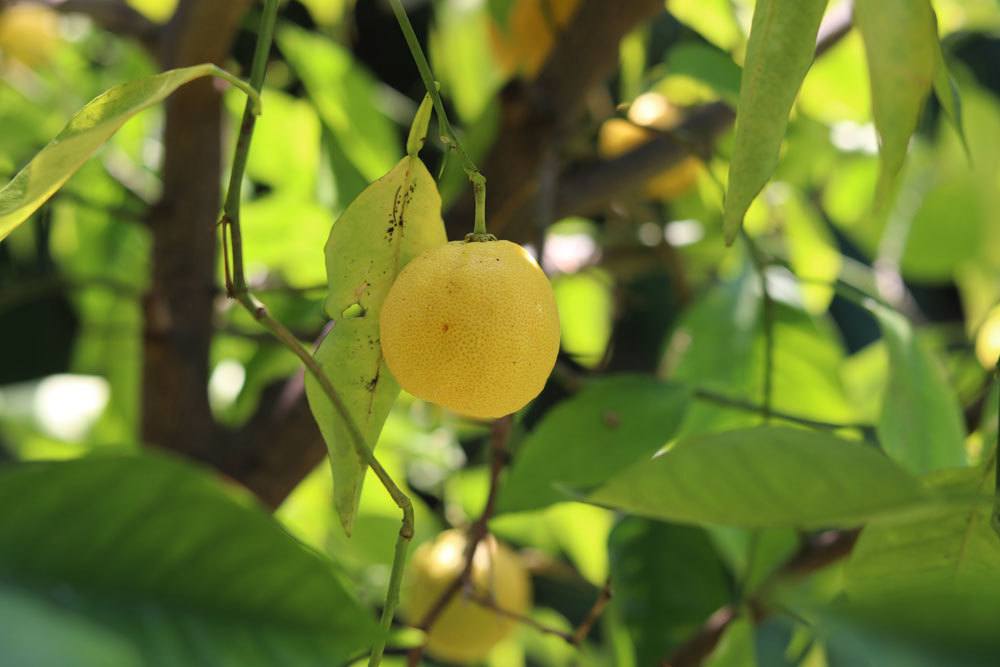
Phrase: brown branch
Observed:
(582, 630)
(477, 531)
(528, 131)
(817, 553)
(180, 303)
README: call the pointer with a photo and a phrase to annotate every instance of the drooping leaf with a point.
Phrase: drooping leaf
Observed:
(779, 52)
(765, 476)
(736, 648)
(392, 221)
(955, 550)
(610, 424)
(920, 425)
(903, 52)
(667, 580)
(947, 94)
(85, 133)
(344, 93)
(161, 556)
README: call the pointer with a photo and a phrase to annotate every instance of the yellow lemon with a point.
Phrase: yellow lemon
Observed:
(471, 326)
(648, 114)
(28, 33)
(522, 47)
(465, 631)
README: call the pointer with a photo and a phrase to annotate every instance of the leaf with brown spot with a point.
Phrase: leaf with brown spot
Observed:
(362, 262)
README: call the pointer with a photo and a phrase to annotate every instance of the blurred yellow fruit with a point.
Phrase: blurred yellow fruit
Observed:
(988, 339)
(649, 114)
(473, 327)
(29, 33)
(465, 631)
(522, 47)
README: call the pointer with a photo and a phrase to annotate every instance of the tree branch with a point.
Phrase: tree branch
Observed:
(180, 304)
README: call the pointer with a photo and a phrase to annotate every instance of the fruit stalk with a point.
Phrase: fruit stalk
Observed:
(448, 135)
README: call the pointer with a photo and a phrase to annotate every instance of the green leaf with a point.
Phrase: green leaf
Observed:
(85, 133)
(947, 94)
(344, 93)
(667, 580)
(582, 442)
(765, 476)
(903, 51)
(160, 555)
(956, 550)
(392, 221)
(920, 425)
(36, 633)
(709, 65)
(779, 52)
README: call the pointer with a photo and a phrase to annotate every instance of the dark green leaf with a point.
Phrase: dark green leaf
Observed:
(160, 554)
(392, 221)
(779, 52)
(667, 579)
(85, 133)
(766, 476)
(585, 440)
(920, 425)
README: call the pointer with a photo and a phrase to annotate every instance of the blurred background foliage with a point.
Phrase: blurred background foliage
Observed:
(646, 285)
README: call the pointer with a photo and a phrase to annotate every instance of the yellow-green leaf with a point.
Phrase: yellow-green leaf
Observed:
(85, 133)
(394, 219)
(779, 52)
(903, 53)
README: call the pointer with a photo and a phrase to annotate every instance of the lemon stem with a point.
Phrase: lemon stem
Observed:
(448, 136)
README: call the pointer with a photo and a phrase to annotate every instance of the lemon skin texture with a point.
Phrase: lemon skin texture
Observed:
(472, 327)
(28, 34)
(465, 631)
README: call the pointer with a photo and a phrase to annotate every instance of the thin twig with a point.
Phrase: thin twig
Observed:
(749, 406)
(582, 630)
(237, 285)
(499, 437)
(488, 602)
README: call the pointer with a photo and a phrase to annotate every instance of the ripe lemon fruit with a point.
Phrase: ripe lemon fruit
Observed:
(29, 33)
(522, 47)
(471, 326)
(465, 631)
(649, 114)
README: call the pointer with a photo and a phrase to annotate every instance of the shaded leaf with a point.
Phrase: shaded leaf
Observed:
(586, 439)
(903, 52)
(667, 580)
(392, 221)
(161, 556)
(957, 550)
(85, 133)
(920, 424)
(779, 52)
(765, 476)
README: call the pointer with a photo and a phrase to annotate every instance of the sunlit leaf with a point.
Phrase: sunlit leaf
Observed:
(159, 554)
(921, 422)
(392, 221)
(765, 476)
(779, 52)
(736, 648)
(610, 424)
(344, 94)
(903, 53)
(86, 132)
